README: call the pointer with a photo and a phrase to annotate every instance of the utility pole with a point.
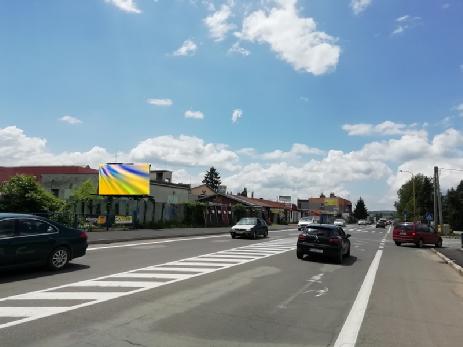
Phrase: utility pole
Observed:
(436, 216)
(439, 199)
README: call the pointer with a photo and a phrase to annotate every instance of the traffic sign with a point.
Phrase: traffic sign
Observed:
(429, 216)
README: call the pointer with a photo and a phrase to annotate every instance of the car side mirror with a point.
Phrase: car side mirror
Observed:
(348, 235)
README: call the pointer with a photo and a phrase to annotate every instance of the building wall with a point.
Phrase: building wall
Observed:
(169, 193)
(202, 190)
(62, 185)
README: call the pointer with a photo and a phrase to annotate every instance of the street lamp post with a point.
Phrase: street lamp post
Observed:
(414, 199)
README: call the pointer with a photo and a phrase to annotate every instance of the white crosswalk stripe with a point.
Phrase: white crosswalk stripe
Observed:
(131, 282)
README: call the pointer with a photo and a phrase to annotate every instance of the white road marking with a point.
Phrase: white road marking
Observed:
(177, 239)
(173, 272)
(349, 332)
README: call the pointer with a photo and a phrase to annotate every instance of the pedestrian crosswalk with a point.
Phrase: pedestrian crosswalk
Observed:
(30, 306)
(368, 229)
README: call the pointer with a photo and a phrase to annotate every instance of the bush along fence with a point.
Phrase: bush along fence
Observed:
(127, 213)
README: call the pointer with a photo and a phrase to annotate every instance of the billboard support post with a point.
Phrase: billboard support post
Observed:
(109, 201)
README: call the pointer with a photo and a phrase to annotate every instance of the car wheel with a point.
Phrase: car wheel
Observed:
(233, 235)
(397, 243)
(348, 252)
(59, 258)
(253, 235)
(339, 257)
(420, 243)
(439, 243)
(299, 254)
(266, 233)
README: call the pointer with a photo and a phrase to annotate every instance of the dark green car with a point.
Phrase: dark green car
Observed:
(32, 240)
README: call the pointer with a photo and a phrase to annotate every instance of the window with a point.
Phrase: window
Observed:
(34, 227)
(7, 228)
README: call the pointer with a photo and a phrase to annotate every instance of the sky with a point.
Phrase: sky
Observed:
(283, 97)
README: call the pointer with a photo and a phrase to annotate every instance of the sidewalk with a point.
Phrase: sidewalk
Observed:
(452, 250)
(96, 237)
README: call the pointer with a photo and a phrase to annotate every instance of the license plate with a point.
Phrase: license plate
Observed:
(316, 250)
(403, 234)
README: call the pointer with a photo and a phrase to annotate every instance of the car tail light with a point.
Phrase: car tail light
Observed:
(334, 240)
(302, 237)
(413, 234)
(83, 235)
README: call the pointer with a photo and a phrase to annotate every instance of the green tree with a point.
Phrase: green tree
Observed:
(453, 207)
(212, 179)
(239, 211)
(24, 194)
(85, 192)
(423, 195)
(360, 211)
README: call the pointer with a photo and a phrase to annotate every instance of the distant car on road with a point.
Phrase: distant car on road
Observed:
(324, 239)
(305, 221)
(417, 233)
(27, 240)
(381, 223)
(340, 222)
(250, 227)
(362, 222)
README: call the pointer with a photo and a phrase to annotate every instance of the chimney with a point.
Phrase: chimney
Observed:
(252, 195)
(332, 195)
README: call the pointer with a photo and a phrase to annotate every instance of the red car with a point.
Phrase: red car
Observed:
(417, 233)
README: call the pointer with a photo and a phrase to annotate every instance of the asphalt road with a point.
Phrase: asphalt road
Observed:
(215, 291)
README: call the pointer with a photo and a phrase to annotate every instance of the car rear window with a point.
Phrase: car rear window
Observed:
(406, 227)
(321, 231)
(247, 221)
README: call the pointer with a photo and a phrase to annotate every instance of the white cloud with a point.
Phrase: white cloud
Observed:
(160, 102)
(236, 48)
(294, 38)
(459, 108)
(125, 5)
(194, 114)
(16, 148)
(297, 151)
(70, 120)
(217, 23)
(185, 150)
(188, 48)
(386, 128)
(405, 22)
(446, 6)
(237, 114)
(359, 6)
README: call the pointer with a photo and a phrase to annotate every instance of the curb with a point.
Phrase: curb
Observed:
(449, 261)
(141, 238)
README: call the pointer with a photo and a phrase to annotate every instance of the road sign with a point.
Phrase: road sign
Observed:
(429, 216)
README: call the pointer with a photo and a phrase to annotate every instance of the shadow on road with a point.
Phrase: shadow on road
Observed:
(348, 261)
(13, 275)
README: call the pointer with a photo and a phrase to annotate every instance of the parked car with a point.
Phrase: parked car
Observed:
(305, 221)
(362, 222)
(30, 240)
(381, 223)
(417, 233)
(324, 239)
(340, 222)
(250, 227)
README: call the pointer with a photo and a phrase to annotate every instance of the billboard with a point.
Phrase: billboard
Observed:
(124, 179)
(284, 198)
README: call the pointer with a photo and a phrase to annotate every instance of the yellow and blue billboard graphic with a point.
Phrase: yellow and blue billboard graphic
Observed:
(124, 179)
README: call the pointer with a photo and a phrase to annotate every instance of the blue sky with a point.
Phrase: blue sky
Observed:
(328, 95)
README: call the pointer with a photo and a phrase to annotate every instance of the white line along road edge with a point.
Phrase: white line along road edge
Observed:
(349, 332)
(140, 280)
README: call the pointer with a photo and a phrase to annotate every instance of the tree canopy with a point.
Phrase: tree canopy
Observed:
(423, 195)
(212, 179)
(360, 211)
(24, 194)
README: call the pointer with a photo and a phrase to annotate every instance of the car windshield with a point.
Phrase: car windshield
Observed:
(339, 220)
(406, 227)
(305, 219)
(247, 221)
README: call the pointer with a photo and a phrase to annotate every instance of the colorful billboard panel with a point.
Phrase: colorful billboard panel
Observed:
(124, 179)
(331, 202)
